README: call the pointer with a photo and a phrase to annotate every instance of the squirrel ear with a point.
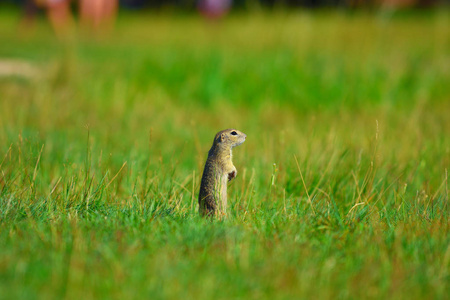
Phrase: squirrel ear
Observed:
(221, 137)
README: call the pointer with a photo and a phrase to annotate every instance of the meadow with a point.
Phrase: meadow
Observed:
(342, 186)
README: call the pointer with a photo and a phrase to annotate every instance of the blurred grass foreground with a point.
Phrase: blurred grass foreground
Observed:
(342, 187)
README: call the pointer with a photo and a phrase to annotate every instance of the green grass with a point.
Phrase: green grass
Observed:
(342, 187)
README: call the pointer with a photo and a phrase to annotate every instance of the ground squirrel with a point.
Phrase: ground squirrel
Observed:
(219, 169)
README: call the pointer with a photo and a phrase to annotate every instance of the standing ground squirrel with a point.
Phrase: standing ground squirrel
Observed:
(219, 169)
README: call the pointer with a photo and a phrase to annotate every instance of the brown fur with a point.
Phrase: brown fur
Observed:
(219, 169)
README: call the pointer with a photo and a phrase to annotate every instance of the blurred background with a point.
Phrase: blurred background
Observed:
(96, 13)
(176, 68)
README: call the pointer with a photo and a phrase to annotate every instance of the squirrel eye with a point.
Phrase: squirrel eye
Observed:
(233, 133)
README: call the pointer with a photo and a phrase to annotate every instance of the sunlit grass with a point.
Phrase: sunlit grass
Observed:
(342, 187)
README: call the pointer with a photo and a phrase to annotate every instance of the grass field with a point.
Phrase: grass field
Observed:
(342, 187)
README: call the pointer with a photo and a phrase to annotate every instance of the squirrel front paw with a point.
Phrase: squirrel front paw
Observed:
(231, 175)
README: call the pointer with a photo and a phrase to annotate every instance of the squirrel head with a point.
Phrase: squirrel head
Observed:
(229, 138)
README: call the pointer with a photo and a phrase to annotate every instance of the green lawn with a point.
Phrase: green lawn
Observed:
(342, 187)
